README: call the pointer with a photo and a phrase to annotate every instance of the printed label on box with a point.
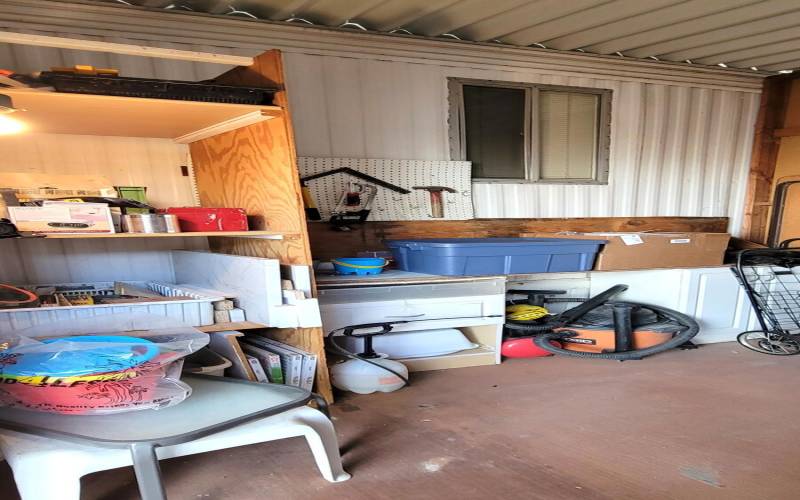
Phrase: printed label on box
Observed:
(681, 240)
(631, 239)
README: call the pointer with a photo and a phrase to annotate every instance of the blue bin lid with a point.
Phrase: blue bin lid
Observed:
(59, 360)
(472, 242)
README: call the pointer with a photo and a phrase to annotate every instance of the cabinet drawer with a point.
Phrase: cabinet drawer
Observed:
(335, 316)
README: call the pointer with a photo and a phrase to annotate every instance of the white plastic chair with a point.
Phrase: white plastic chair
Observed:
(68, 447)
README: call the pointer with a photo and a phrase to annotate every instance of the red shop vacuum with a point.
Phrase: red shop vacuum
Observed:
(596, 328)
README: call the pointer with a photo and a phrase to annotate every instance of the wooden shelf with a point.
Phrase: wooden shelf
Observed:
(84, 114)
(267, 235)
(223, 327)
(479, 356)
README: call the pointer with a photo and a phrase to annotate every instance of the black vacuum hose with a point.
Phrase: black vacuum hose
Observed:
(692, 328)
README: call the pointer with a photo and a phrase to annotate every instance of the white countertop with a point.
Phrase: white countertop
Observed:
(327, 279)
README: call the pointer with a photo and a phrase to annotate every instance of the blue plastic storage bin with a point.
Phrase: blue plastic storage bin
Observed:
(482, 256)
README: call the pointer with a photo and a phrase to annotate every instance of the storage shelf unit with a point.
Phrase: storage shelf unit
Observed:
(82, 114)
(242, 156)
(270, 235)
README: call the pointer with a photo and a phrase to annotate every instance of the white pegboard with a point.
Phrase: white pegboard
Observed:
(390, 205)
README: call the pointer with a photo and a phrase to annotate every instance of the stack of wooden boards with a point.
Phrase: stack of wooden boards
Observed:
(258, 358)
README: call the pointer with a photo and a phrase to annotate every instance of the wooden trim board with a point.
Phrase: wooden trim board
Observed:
(122, 48)
(226, 344)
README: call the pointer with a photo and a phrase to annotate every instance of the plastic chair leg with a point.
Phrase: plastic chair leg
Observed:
(321, 437)
(45, 479)
(148, 472)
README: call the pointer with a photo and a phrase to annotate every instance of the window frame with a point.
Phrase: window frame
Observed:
(457, 131)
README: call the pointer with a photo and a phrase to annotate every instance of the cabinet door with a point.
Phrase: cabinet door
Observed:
(335, 316)
(718, 303)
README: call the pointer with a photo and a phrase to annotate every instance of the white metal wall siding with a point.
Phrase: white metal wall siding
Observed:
(675, 150)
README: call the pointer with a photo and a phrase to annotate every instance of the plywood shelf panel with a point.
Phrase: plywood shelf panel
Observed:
(235, 326)
(83, 114)
(269, 235)
(479, 356)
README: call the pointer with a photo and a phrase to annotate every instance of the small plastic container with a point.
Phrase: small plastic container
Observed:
(361, 377)
(206, 362)
(358, 265)
(488, 256)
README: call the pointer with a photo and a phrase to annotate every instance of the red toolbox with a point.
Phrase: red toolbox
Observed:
(199, 219)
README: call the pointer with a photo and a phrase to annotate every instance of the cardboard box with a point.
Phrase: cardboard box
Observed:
(63, 218)
(625, 251)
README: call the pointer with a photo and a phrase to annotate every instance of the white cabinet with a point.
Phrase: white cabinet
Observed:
(714, 297)
(474, 308)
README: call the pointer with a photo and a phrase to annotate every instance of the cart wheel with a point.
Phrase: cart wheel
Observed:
(777, 345)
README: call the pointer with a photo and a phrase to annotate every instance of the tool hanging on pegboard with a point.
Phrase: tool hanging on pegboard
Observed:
(355, 204)
(437, 199)
(390, 205)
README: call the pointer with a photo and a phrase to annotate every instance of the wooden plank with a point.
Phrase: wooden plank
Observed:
(256, 168)
(327, 243)
(227, 345)
(771, 116)
(104, 115)
(237, 325)
(787, 132)
(122, 48)
(480, 356)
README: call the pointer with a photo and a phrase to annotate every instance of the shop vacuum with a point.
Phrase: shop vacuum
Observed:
(596, 328)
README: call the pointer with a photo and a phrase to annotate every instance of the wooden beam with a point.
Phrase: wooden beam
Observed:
(327, 243)
(771, 117)
(787, 132)
(122, 48)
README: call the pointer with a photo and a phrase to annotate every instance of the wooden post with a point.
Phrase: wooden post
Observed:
(255, 168)
(771, 117)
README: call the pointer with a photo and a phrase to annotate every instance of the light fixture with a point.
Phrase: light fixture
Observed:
(8, 125)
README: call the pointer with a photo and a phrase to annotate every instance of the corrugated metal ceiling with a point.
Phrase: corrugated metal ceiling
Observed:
(756, 34)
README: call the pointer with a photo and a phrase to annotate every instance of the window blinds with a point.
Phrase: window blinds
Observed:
(567, 134)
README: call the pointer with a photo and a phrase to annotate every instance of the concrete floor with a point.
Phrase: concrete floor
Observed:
(713, 423)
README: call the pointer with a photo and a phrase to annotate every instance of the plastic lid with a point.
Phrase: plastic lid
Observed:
(494, 241)
(58, 358)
